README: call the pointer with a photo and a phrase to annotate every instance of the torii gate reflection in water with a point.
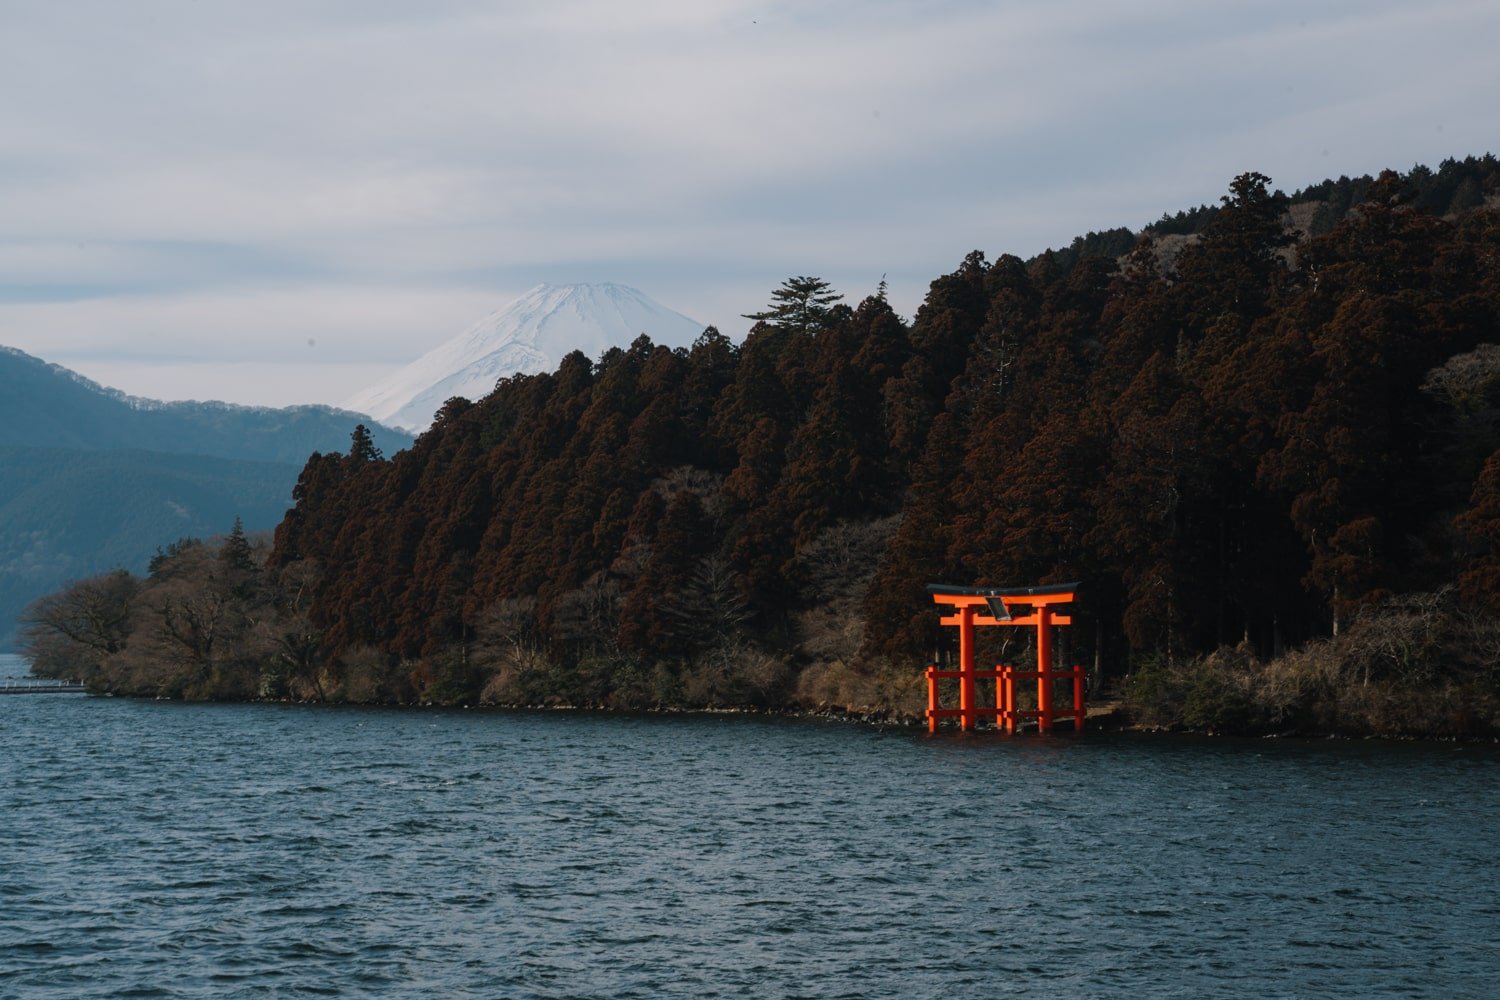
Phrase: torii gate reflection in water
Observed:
(973, 607)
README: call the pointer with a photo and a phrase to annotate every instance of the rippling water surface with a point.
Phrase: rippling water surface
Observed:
(165, 850)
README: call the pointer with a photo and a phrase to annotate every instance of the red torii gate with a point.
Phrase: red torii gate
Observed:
(984, 606)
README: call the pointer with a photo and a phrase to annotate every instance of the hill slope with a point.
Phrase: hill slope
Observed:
(92, 479)
(66, 514)
(1260, 443)
(44, 405)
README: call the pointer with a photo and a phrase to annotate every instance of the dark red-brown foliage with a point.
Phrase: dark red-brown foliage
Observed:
(1232, 443)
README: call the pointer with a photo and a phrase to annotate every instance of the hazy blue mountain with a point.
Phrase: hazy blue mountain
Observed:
(92, 479)
(44, 405)
(66, 514)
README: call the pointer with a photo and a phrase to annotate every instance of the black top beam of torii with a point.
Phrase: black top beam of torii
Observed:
(995, 597)
(1050, 588)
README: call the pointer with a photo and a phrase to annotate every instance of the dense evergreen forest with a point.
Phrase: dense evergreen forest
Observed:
(1263, 435)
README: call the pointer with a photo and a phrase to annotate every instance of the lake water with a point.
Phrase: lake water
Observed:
(152, 849)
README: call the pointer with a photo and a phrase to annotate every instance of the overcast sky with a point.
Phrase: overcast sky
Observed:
(278, 202)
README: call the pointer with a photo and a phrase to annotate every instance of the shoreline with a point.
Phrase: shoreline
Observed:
(1112, 717)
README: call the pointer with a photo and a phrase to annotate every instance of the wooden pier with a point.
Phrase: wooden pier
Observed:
(41, 687)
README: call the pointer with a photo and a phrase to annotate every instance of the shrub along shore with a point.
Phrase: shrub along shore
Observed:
(211, 623)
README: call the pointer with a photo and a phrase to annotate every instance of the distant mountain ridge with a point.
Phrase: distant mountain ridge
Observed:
(44, 405)
(92, 478)
(529, 336)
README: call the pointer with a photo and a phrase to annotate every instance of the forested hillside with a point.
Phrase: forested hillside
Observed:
(1240, 437)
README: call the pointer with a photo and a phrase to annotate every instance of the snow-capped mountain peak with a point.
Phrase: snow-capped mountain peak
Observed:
(530, 335)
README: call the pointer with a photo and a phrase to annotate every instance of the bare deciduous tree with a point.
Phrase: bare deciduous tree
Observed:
(80, 625)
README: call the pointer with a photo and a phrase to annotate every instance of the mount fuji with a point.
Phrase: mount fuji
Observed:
(527, 337)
